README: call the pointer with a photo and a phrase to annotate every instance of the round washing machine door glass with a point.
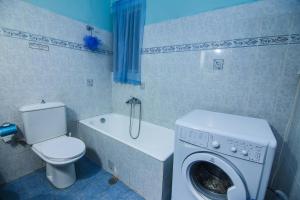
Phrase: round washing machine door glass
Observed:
(211, 177)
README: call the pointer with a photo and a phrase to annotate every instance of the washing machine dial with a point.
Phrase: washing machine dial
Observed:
(245, 152)
(233, 149)
(215, 144)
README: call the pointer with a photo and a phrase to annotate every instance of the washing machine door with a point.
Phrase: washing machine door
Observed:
(212, 177)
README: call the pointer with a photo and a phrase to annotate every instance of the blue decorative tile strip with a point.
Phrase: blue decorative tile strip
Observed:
(49, 40)
(235, 43)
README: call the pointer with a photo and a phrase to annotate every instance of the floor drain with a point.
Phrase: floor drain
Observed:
(113, 180)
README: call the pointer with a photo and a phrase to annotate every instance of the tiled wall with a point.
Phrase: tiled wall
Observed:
(46, 60)
(42, 57)
(289, 172)
(258, 78)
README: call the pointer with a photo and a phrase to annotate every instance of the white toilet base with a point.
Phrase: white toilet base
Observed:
(61, 176)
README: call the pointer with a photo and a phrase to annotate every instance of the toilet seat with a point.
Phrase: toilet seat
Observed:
(60, 150)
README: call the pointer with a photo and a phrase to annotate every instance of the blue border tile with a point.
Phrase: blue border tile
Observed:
(49, 40)
(224, 44)
(235, 43)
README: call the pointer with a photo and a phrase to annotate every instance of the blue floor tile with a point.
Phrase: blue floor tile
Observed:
(92, 183)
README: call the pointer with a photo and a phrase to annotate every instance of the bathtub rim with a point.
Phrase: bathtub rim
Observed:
(86, 121)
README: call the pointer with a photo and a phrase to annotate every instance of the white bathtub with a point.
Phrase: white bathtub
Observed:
(144, 164)
(154, 140)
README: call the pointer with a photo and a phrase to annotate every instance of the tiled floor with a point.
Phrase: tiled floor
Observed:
(92, 183)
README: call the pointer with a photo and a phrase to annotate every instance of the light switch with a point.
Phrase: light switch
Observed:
(218, 64)
(90, 82)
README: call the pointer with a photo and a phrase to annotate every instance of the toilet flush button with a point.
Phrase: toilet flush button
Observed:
(215, 144)
(233, 149)
(245, 153)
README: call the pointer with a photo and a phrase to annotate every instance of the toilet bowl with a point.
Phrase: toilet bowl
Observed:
(45, 129)
(60, 153)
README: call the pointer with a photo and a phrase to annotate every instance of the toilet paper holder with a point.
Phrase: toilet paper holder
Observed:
(7, 131)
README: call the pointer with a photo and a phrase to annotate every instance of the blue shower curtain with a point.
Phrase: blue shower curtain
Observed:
(128, 29)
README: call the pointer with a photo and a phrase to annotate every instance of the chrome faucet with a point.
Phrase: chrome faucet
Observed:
(134, 101)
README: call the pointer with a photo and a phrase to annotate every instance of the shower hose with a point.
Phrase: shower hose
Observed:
(132, 110)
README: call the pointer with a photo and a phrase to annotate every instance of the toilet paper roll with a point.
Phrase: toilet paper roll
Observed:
(8, 130)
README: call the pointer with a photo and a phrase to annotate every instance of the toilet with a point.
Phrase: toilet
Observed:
(45, 130)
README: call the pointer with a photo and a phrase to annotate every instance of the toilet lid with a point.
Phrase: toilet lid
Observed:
(61, 148)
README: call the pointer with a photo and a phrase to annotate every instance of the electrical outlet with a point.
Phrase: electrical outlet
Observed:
(90, 82)
(142, 86)
(218, 64)
(38, 46)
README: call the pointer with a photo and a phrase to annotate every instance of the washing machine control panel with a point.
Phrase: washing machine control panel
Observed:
(225, 145)
(238, 148)
(192, 136)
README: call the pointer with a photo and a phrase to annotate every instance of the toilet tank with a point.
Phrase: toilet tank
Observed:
(43, 121)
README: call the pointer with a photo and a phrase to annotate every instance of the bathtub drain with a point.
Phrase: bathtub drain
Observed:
(113, 180)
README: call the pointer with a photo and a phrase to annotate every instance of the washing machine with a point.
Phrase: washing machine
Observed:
(221, 157)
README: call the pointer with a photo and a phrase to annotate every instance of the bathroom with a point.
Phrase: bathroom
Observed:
(232, 59)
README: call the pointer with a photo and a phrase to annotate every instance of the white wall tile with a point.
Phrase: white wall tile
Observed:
(255, 81)
(27, 75)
